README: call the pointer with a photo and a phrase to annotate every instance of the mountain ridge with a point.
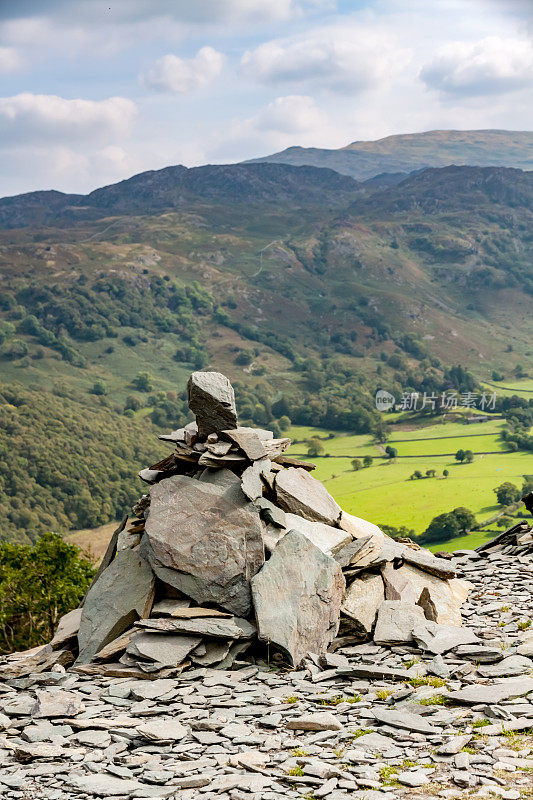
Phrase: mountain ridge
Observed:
(409, 152)
(174, 187)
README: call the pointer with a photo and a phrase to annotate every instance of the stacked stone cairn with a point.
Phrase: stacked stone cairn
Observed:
(238, 553)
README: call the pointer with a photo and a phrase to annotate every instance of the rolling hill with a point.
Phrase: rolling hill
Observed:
(415, 151)
(308, 288)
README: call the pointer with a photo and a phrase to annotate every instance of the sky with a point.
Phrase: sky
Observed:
(93, 91)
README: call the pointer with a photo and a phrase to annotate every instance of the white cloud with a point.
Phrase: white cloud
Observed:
(487, 67)
(175, 75)
(350, 59)
(286, 121)
(10, 59)
(40, 117)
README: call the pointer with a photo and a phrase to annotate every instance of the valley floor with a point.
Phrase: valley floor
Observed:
(384, 494)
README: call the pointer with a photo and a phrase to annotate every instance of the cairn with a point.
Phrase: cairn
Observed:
(239, 553)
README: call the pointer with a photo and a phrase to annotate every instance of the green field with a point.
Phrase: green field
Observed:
(384, 493)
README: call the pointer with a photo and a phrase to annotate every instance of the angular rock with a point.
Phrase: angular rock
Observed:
(375, 672)
(299, 493)
(440, 599)
(454, 745)
(174, 608)
(353, 551)
(297, 598)
(327, 538)
(249, 441)
(396, 621)
(211, 398)
(427, 562)
(320, 721)
(525, 648)
(211, 652)
(508, 668)
(205, 540)
(27, 752)
(163, 730)
(103, 784)
(251, 482)
(491, 693)
(362, 600)
(217, 627)
(56, 703)
(405, 720)
(169, 651)
(479, 653)
(360, 528)
(439, 639)
(123, 593)
(271, 513)
(67, 628)
(413, 779)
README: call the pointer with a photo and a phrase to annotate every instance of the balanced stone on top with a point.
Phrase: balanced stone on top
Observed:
(211, 398)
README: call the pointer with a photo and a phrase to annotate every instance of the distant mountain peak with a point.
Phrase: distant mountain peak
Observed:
(415, 151)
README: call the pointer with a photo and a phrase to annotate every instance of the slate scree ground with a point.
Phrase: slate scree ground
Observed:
(246, 638)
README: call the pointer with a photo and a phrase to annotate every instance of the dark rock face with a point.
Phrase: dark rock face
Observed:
(205, 540)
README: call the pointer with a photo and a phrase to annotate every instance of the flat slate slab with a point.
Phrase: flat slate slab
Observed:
(327, 538)
(396, 621)
(123, 593)
(206, 540)
(403, 719)
(491, 693)
(297, 598)
(299, 493)
(217, 627)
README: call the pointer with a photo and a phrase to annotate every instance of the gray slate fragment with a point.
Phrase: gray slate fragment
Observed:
(249, 441)
(439, 639)
(270, 512)
(217, 627)
(56, 703)
(491, 693)
(67, 628)
(362, 600)
(168, 651)
(396, 621)
(299, 493)
(319, 721)
(205, 540)
(508, 668)
(211, 398)
(405, 720)
(297, 597)
(102, 784)
(123, 593)
(375, 672)
(325, 537)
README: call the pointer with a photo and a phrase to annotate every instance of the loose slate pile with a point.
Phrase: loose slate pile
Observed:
(238, 547)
